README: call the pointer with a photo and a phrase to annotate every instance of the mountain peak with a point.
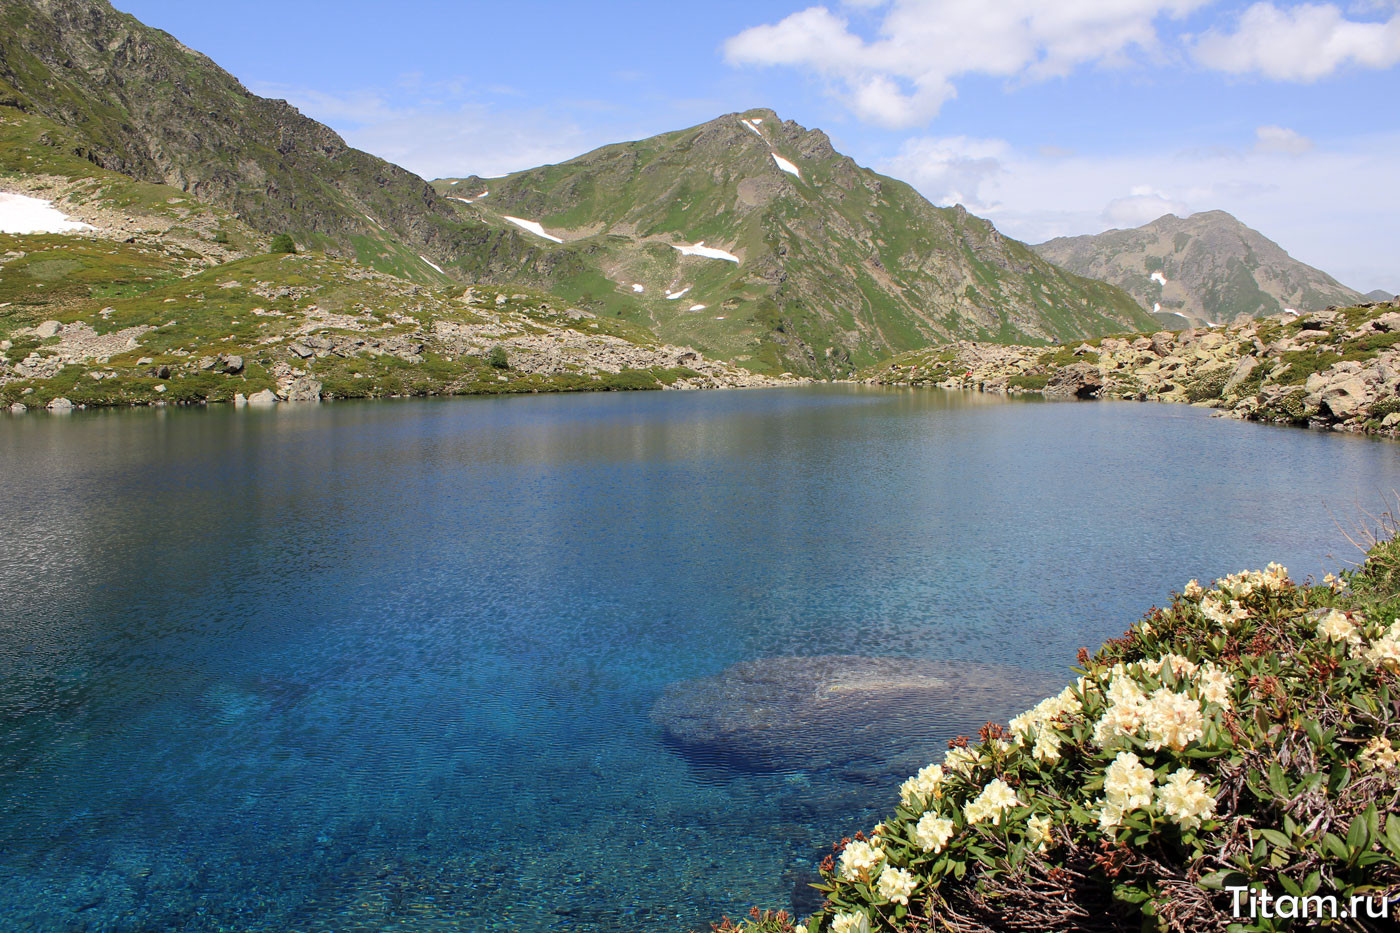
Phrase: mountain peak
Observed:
(1209, 267)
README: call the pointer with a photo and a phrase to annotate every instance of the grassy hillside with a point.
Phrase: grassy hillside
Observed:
(837, 265)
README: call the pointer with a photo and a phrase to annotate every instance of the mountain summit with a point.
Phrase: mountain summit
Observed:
(752, 237)
(1208, 268)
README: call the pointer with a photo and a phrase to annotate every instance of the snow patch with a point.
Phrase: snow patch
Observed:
(20, 214)
(785, 165)
(697, 307)
(455, 183)
(1159, 278)
(638, 288)
(533, 226)
(754, 129)
(719, 317)
(757, 120)
(710, 252)
(1156, 307)
(431, 263)
(672, 296)
(1290, 311)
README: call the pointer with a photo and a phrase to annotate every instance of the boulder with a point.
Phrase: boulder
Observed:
(1078, 380)
(18, 408)
(857, 715)
(1241, 372)
(265, 397)
(303, 389)
(47, 329)
(1344, 398)
(60, 404)
(1162, 342)
(231, 364)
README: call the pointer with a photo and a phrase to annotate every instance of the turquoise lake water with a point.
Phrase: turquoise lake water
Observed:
(390, 666)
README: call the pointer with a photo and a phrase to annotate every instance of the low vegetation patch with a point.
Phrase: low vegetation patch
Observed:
(1240, 743)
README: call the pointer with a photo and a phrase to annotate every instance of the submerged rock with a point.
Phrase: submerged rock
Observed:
(864, 716)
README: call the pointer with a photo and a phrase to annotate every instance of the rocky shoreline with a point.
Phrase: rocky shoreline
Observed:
(1337, 369)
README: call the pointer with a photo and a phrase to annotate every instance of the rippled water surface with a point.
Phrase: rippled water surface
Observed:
(390, 666)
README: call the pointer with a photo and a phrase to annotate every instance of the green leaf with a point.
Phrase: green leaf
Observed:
(1291, 886)
(1312, 882)
(1276, 838)
(1277, 782)
(1333, 844)
(1392, 833)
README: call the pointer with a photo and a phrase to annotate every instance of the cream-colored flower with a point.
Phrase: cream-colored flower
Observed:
(1127, 786)
(850, 922)
(1047, 745)
(1385, 652)
(1185, 798)
(1335, 626)
(1337, 584)
(1192, 590)
(1225, 616)
(1038, 832)
(860, 858)
(1173, 720)
(1215, 684)
(1178, 665)
(1059, 707)
(1380, 755)
(896, 885)
(922, 787)
(932, 833)
(1127, 705)
(995, 798)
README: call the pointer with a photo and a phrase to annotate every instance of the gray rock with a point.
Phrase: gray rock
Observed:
(47, 329)
(207, 362)
(1344, 398)
(18, 408)
(304, 389)
(60, 404)
(265, 397)
(1078, 380)
(1243, 368)
(232, 364)
(862, 715)
(302, 351)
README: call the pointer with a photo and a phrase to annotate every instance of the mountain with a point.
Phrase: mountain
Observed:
(803, 260)
(1207, 268)
(823, 265)
(1378, 295)
(136, 101)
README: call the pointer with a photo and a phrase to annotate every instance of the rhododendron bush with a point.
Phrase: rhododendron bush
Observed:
(1246, 736)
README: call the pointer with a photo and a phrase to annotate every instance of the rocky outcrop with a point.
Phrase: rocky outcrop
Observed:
(869, 716)
(1338, 368)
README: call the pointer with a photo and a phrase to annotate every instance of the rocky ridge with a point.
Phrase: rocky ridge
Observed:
(1338, 368)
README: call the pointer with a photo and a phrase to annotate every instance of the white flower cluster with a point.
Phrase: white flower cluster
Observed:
(1169, 719)
(1128, 786)
(1038, 832)
(1214, 608)
(1380, 755)
(994, 799)
(1384, 652)
(923, 787)
(896, 885)
(1336, 584)
(1337, 626)
(932, 832)
(860, 858)
(1185, 798)
(850, 922)
(1271, 579)
(1041, 719)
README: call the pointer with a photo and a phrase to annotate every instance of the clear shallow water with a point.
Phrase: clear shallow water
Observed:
(389, 666)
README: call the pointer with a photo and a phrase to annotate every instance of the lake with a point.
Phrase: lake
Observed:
(391, 665)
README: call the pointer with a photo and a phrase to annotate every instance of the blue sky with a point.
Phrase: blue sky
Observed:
(1048, 118)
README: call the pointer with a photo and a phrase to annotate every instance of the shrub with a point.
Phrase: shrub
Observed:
(1245, 737)
(1207, 387)
(497, 358)
(282, 243)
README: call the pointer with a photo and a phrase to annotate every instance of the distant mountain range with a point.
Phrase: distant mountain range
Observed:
(836, 265)
(1207, 268)
(809, 261)
(747, 237)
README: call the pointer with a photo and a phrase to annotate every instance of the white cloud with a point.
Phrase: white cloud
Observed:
(444, 137)
(1302, 43)
(904, 76)
(1280, 139)
(1330, 206)
(1143, 204)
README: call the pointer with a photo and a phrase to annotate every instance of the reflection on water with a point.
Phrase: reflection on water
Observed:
(390, 666)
